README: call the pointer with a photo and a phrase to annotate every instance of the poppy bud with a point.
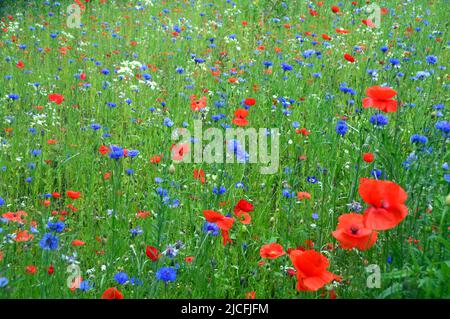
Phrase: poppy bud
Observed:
(368, 157)
(171, 169)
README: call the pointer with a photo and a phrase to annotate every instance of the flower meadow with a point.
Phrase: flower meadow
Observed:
(97, 202)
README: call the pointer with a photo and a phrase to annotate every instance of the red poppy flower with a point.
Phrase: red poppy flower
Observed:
(197, 105)
(335, 9)
(189, 259)
(78, 243)
(250, 101)
(50, 270)
(250, 295)
(380, 98)
(20, 65)
(240, 117)
(56, 98)
(31, 269)
(155, 159)
(386, 200)
(178, 151)
(200, 175)
(311, 268)
(223, 222)
(242, 209)
(352, 233)
(15, 217)
(23, 236)
(342, 31)
(152, 253)
(104, 149)
(271, 251)
(349, 58)
(112, 293)
(73, 194)
(303, 195)
(226, 237)
(368, 157)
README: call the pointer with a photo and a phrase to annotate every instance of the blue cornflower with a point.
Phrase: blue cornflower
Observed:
(2, 201)
(168, 122)
(219, 191)
(96, 127)
(431, 59)
(443, 126)
(3, 282)
(416, 138)
(166, 274)
(121, 278)
(394, 61)
(85, 286)
(234, 146)
(56, 227)
(286, 67)
(376, 173)
(136, 281)
(116, 152)
(341, 127)
(311, 179)
(379, 120)
(132, 153)
(210, 228)
(136, 231)
(49, 242)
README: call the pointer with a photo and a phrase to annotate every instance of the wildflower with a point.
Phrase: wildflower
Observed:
(352, 233)
(242, 209)
(419, 139)
(240, 117)
(49, 242)
(349, 58)
(271, 251)
(166, 274)
(211, 228)
(56, 227)
(386, 200)
(379, 120)
(56, 98)
(3, 282)
(380, 98)
(152, 253)
(341, 128)
(73, 194)
(112, 293)
(121, 278)
(368, 157)
(311, 269)
(197, 105)
(303, 195)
